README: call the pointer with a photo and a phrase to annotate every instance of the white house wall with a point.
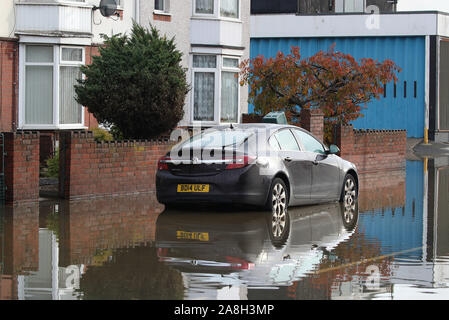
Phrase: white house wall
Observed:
(349, 25)
(112, 25)
(7, 18)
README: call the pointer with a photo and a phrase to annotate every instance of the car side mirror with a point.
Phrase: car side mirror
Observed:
(333, 149)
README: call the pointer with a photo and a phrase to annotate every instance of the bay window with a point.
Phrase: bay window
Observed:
(47, 92)
(350, 6)
(215, 89)
(227, 8)
(204, 6)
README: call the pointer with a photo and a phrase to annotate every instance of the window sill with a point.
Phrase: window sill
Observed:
(53, 127)
(161, 16)
(215, 18)
(162, 13)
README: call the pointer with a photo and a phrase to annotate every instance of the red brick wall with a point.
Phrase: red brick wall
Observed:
(251, 118)
(22, 166)
(91, 169)
(9, 73)
(313, 121)
(373, 150)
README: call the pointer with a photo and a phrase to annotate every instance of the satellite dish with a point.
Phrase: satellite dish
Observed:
(107, 8)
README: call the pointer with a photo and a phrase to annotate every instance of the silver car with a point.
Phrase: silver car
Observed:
(258, 164)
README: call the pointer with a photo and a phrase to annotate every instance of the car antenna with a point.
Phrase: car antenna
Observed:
(232, 127)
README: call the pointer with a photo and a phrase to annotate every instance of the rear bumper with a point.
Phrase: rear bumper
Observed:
(238, 186)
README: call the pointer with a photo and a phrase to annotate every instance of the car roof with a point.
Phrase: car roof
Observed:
(273, 126)
(268, 126)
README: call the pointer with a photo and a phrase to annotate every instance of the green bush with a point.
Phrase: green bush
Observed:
(53, 165)
(137, 84)
(101, 134)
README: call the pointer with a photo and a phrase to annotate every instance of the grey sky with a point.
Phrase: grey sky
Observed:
(423, 5)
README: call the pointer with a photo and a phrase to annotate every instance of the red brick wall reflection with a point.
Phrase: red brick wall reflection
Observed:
(90, 228)
(20, 244)
(382, 190)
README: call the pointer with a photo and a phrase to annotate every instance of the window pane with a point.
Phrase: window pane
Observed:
(203, 61)
(274, 144)
(159, 5)
(230, 63)
(39, 95)
(69, 109)
(204, 96)
(354, 6)
(229, 8)
(72, 54)
(204, 6)
(310, 143)
(287, 141)
(39, 54)
(229, 97)
(216, 139)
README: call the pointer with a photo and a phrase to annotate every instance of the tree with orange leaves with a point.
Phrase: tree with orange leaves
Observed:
(332, 81)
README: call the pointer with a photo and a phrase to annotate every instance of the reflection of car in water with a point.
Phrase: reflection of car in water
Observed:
(252, 249)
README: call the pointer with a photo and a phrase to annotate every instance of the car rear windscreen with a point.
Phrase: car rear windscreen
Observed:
(217, 139)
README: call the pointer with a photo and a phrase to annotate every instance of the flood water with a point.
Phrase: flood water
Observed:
(394, 244)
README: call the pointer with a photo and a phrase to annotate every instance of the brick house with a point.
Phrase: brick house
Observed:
(43, 43)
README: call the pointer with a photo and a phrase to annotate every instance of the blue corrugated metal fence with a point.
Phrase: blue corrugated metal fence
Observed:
(389, 112)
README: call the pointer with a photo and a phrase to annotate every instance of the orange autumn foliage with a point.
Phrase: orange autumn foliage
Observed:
(330, 80)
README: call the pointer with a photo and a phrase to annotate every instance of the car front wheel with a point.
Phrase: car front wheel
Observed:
(349, 191)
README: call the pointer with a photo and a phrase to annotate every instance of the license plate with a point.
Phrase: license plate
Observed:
(200, 236)
(193, 188)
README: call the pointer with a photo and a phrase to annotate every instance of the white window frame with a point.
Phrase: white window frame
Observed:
(218, 88)
(233, 70)
(217, 96)
(56, 64)
(165, 10)
(216, 14)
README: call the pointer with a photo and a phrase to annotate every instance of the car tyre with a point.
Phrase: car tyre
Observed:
(349, 192)
(278, 221)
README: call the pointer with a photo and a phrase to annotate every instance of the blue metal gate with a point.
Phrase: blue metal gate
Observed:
(403, 107)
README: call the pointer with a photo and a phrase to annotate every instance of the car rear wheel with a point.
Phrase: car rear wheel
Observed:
(277, 204)
(349, 191)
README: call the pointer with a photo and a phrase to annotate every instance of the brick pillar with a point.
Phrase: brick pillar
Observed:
(345, 139)
(9, 71)
(22, 167)
(313, 121)
(75, 148)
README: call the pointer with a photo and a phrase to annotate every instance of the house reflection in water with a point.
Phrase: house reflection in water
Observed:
(394, 245)
(46, 248)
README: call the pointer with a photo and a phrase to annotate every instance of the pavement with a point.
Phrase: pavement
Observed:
(416, 148)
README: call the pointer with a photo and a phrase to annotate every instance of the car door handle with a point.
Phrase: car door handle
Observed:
(288, 159)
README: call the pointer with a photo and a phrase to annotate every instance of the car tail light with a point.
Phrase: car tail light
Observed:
(240, 162)
(161, 164)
